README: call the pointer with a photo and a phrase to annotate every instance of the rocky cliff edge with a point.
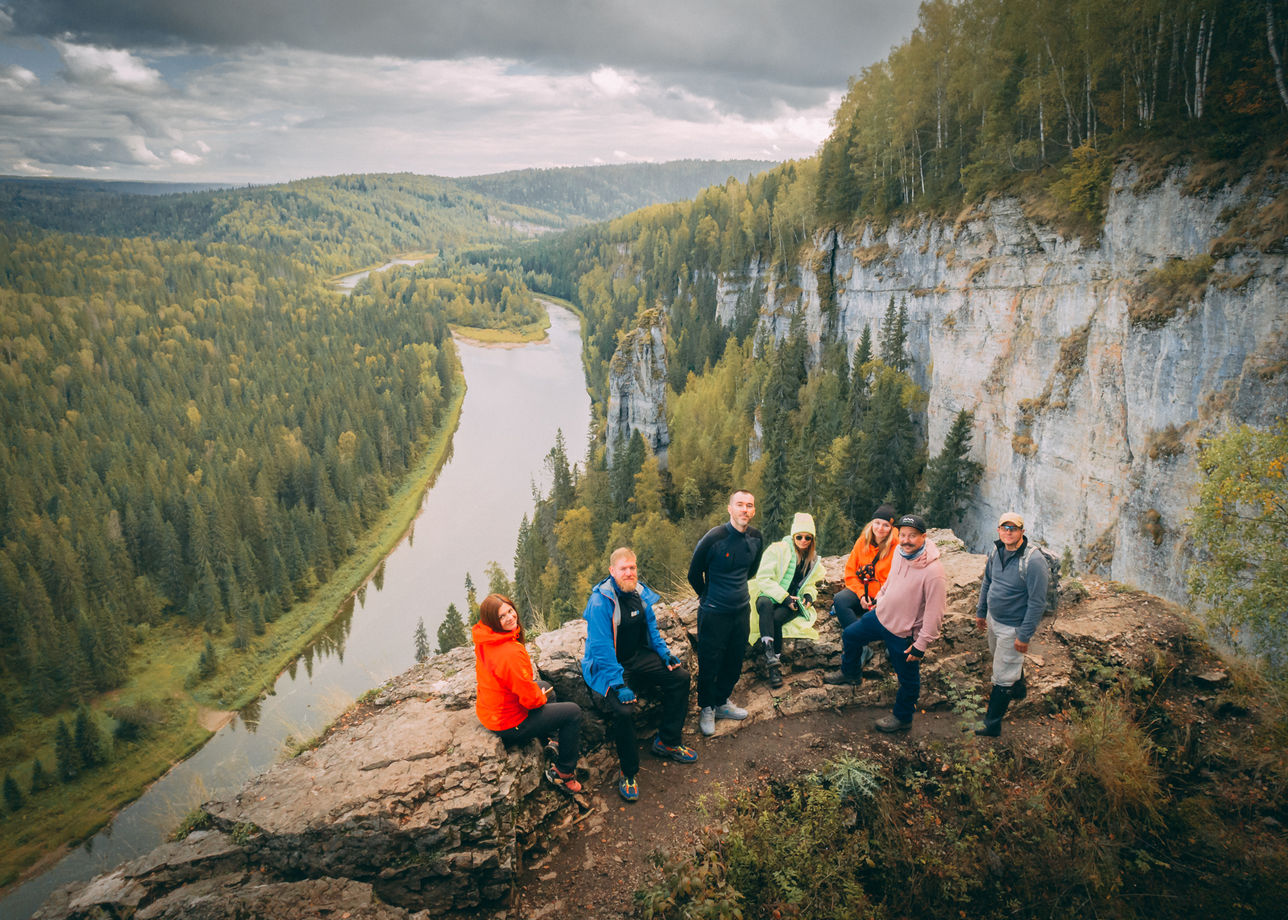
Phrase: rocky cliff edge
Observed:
(407, 807)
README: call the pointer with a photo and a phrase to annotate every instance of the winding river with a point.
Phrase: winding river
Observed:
(517, 398)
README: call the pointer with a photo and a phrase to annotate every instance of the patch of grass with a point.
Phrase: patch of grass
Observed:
(1167, 292)
(1166, 443)
(991, 831)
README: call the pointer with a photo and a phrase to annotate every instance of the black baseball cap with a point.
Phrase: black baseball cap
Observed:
(911, 520)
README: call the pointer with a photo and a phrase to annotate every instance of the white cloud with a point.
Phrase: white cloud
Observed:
(28, 168)
(90, 64)
(16, 77)
(137, 147)
(613, 83)
(183, 158)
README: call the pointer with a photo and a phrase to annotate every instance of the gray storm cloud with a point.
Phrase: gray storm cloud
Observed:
(792, 50)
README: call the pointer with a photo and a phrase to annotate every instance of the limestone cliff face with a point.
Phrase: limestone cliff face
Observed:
(1086, 422)
(637, 387)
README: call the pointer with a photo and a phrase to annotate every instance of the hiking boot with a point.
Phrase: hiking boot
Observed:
(707, 721)
(564, 782)
(775, 676)
(889, 725)
(551, 751)
(840, 677)
(728, 710)
(679, 753)
(628, 787)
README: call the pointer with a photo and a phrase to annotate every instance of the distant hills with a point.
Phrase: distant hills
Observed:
(602, 192)
(400, 211)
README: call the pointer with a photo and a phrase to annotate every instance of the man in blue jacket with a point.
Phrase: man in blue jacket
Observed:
(625, 655)
(1012, 598)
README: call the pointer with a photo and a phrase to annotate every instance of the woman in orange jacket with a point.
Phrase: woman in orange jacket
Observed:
(510, 702)
(867, 568)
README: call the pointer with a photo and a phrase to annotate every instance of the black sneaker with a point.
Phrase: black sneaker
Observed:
(775, 677)
(840, 677)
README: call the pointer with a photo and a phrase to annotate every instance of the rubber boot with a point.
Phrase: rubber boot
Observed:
(1019, 689)
(998, 700)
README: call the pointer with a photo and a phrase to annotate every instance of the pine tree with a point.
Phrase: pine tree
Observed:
(40, 778)
(471, 599)
(89, 739)
(65, 757)
(12, 794)
(951, 476)
(451, 632)
(894, 336)
(208, 663)
(421, 640)
(857, 397)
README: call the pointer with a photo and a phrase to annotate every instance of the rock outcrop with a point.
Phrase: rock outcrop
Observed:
(1087, 413)
(408, 807)
(637, 387)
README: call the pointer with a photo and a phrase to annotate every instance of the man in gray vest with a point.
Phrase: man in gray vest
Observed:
(1012, 598)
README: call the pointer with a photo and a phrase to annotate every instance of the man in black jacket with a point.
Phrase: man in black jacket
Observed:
(723, 562)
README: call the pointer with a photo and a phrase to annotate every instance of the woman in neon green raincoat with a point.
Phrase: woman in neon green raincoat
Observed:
(783, 592)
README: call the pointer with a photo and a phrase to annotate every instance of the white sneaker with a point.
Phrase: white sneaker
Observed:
(707, 721)
(727, 710)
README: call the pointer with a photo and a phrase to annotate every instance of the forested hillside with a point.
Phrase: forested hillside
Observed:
(190, 429)
(1035, 99)
(603, 192)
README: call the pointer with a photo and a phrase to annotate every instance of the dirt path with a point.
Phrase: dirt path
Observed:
(607, 855)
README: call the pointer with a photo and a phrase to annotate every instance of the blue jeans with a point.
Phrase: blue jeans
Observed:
(869, 629)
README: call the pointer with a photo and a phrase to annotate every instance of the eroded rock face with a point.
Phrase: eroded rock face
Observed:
(637, 387)
(1086, 422)
(409, 807)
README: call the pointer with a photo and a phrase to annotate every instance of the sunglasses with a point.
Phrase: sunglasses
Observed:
(1008, 527)
(804, 538)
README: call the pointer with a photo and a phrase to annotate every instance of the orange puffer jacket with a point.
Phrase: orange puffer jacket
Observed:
(506, 689)
(863, 554)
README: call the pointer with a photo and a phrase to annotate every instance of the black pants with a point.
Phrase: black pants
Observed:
(846, 608)
(561, 719)
(722, 641)
(772, 618)
(648, 676)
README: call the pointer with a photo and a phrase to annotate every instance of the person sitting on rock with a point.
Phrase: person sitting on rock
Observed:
(867, 568)
(783, 592)
(1012, 598)
(511, 702)
(625, 655)
(907, 614)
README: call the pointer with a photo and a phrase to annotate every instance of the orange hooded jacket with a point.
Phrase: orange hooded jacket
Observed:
(506, 689)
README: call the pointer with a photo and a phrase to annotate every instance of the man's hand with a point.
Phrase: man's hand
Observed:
(1021, 647)
(672, 662)
(981, 623)
(625, 695)
(914, 654)
(792, 603)
(867, 603)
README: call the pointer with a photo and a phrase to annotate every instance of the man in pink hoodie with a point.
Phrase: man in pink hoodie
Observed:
(908, 611)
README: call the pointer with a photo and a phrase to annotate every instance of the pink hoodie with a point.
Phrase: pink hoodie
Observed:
(912, 600)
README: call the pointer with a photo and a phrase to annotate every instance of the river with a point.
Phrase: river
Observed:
(517, 398)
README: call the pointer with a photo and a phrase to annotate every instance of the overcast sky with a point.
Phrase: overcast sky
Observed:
(269, 90)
